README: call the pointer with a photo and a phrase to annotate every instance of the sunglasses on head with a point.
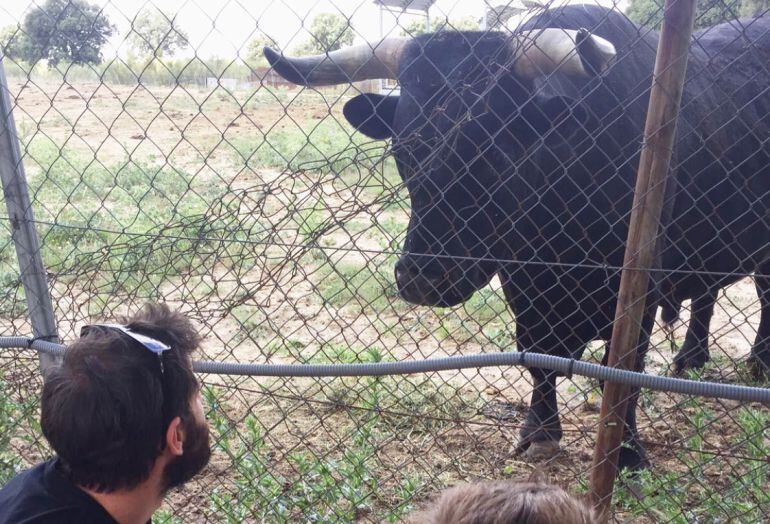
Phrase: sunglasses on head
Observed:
(152, 344)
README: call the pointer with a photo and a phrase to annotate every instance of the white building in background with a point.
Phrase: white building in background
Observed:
(228, 83)
(498, 15)
(398, 8)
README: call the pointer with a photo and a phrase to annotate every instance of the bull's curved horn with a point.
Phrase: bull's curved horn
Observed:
(350, 64)
(539, 52)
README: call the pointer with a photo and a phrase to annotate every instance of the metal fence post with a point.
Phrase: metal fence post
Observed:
(659, 132)
(22, 223)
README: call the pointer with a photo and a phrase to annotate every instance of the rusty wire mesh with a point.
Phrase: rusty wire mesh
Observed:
(203, 179)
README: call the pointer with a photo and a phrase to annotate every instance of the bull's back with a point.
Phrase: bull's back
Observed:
(720, 220)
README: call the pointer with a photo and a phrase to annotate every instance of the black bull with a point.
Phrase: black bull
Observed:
(531, 178)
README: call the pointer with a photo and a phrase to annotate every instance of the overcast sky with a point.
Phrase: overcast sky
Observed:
(224, 28)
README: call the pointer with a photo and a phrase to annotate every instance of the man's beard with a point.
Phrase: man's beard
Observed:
(197, 452)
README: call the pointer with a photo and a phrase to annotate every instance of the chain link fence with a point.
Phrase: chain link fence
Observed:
(168, 161)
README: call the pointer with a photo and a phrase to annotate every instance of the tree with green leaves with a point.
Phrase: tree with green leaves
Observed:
(61, 30)
(754, 7)
(156, 34)
(254, 55)
(417, 27)
(329, 32)
(11, 38)
(708, 12)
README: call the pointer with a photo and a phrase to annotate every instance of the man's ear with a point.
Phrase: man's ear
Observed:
(175, 437)
(372, 114)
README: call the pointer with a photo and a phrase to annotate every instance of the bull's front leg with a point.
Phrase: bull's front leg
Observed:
(694, 353)
(541, 433)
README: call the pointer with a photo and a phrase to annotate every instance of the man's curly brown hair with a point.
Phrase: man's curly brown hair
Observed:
(105, 410)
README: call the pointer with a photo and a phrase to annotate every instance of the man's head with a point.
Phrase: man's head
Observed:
(506, 502)
(114, 407)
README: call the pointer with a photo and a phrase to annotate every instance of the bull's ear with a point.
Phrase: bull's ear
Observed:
(372, 114)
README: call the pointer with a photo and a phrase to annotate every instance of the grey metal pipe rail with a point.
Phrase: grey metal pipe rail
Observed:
(563, 365)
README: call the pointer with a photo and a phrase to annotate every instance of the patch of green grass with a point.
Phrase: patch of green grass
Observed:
(484, 317)
(13, 301)
(311, 221)
(165, 516)
(660, 494)
(446, 329)
(390, 231)
(336, 353)
(284, 346)
(370, 286)
(252, 324)
(488, 305)
(18, 420)
(755, 426)
(503, 337)
(340, 484)
(129, 193)
(738, 494)
(321, 146)
(131, 226)
(406, 405)
(746, 375)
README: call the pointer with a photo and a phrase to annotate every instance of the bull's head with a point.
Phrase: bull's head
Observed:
(466, 111)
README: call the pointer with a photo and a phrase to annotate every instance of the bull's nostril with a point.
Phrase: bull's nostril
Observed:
(408, 269)
(399, 270)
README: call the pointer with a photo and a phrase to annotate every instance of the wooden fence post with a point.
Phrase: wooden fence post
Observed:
(659, 131)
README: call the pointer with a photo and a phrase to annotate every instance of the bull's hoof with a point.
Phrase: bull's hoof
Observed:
(633, 458)
(541, 450)
(690, 357)
(759, 369)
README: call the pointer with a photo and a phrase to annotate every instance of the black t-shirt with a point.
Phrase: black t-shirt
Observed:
(43, 495)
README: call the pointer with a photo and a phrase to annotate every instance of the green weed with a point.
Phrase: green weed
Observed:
(370, 286)
(335, 485)
(19, 426)
(739, 494)
(320, 146)
(311, 221)
(336, 353)
(487, 305)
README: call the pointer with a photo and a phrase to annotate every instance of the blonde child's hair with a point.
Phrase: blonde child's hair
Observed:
(533, 501)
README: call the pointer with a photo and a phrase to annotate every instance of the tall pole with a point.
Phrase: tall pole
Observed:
(659, 132)
(22, 223)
